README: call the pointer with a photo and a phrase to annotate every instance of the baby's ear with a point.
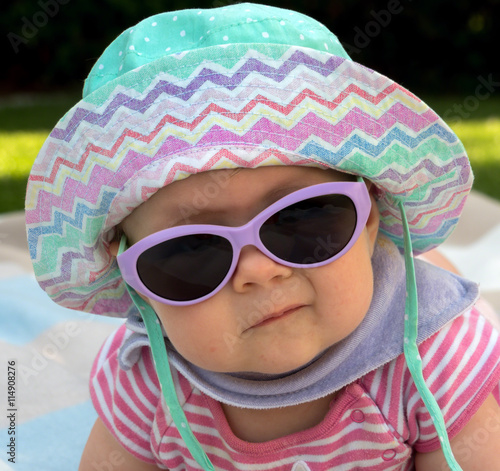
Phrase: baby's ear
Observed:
(373, 222)
(113, 247)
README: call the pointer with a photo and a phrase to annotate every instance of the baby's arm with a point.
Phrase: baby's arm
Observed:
(475, 447)
(103, 449)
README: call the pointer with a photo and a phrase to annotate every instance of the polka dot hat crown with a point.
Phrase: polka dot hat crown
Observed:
(240, 86)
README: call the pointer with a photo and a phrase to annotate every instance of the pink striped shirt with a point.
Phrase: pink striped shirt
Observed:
(375, 423)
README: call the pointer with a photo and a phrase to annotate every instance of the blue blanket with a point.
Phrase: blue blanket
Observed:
(50, 414)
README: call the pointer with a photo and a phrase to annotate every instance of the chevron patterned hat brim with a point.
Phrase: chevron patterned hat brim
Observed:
(240, 105)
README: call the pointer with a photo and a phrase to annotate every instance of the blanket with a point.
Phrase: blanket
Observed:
(46, 353)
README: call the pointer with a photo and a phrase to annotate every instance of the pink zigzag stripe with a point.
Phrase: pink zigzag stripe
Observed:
(292, 138)
(433, 223)
(212, 162)
(131, 163)
(449, 214)
(397, 109)
(76, 188)
(103, 305)
(461, 164)
(334, 134)
(350, 89)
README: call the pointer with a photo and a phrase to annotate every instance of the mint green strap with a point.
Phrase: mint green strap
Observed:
(412, 355)
(160, 358)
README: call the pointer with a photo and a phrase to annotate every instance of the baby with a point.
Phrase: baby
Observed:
(249, 198)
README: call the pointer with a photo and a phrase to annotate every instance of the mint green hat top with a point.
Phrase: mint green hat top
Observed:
(190, 30)
(240, 86)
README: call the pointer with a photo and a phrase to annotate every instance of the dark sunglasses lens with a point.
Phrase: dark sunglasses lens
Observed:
(310, 231)
(187, 267)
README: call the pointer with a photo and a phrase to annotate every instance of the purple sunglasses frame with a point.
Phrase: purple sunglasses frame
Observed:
(241, 236)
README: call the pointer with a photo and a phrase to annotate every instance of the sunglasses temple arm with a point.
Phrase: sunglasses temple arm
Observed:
(160, 358)
(412, 355)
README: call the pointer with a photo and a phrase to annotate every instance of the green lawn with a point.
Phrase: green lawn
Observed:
(17, 151)
(481, 138)
(24, 127)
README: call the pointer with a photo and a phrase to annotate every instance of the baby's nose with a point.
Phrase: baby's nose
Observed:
(256, 268)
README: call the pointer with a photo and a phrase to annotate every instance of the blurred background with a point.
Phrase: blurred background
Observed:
(444, 51)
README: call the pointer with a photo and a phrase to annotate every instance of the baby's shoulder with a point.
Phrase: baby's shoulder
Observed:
(129, 400)
(460, 362)
(124, 389)
(444, 351)
(137, 379)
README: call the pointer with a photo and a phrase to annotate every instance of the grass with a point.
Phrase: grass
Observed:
(480, 134)
(481, 138)
(25, 124)
(17, 151)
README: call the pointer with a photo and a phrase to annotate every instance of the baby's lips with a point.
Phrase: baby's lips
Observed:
(265, 319)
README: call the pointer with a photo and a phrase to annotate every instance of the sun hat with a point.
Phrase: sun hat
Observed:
(240, 86)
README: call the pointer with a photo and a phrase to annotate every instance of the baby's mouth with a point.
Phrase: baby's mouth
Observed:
(275, 316)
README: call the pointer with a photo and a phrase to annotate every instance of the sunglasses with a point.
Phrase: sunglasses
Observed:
(188, 264)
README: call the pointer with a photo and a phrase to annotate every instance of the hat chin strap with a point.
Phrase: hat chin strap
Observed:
(410, 348)
(412, 355)
(160, 358)
(162, 366)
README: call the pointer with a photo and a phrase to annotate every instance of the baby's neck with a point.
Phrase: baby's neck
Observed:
(262, 425)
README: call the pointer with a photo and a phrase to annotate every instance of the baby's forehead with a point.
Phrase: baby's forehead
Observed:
(298, 172)
(241, 182)
(199, 197)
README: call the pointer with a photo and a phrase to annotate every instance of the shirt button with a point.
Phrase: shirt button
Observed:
(388, 455)
(300, 466)
(358, 416)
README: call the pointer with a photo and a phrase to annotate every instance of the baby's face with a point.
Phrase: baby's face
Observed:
(311, 308)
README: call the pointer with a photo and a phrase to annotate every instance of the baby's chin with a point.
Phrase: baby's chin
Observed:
(273, 371)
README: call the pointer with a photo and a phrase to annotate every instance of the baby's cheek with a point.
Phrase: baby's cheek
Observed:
(346, 289)
(197, 338)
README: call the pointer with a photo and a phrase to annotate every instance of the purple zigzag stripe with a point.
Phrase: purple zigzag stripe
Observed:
(433, 195)
(141, 105)
(66, 263)
(310, 125)
(261, 131)
(461, 164)
(435, 223)
(91, 191)
(103, 306)
(112, 305)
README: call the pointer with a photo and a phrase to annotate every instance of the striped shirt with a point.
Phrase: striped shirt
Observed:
(375, 423)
